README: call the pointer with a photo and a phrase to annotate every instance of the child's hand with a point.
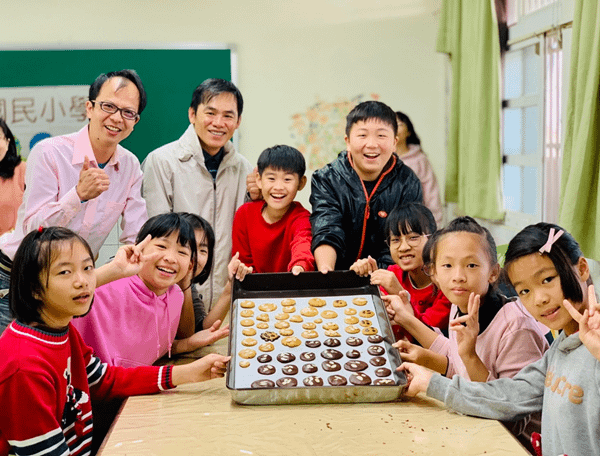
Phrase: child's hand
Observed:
(418, 378)
(238, 269)
(297, 270)
(129, 259)
(387, 280)
(589, 322)
(398, 307)
(206, 368)
(466, 334)
(364, 266)
(413, 353)
(208, 336)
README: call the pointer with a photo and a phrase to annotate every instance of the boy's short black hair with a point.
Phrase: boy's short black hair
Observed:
(162, 225)
(284, 158)
(131, 75)
(198, 223)
(368, 110)
(211, 88)
(32, 261)
(411, 217)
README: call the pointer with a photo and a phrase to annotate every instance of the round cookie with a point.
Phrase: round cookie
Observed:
(262, 317)
(309, 311)
(247, 322)
(288, 302)
(264, 358)
(337, 380)
(330, 326)
(354, 341)
(365, 323)
(247, 353)
(307, 356)
(331, 333)
(266, 369)
(316, 302)
(265, 383)
(352, 329)
(269, 336)
(308, 325)
(310, 334)
(318, 321)
(309, 368)
(268, 347)
(282, 324)
(249, 342)
(331, 353)
(352, 354)
(262, 325)
(246, 313)
(367, 313)
(247, 304)
(350, 311)
(288, 309)
(332, 342)
(355, 366)
(286, 332)
(339, 303)
(296, 319)
(287, 382)
(267, 307)
(360, 379)
(352, 320)
(330, 366)
(377, 361)
(329, 314)
(376, 350)
(383, 372)
(244, 364)
(384, 382)
(290, 369)
(313, 380)
(359, 301)
(291, 341)
(369, 331)
(375, 339)
(249, 332)
(286, 357)
(312, 343)
(282, 316)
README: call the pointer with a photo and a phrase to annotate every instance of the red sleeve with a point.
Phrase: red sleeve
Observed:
(438, 314)
(301, 241)
(239, 235)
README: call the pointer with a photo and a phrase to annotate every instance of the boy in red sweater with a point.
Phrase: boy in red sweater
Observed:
(274, 234)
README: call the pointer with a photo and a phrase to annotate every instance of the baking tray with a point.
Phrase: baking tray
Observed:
(262, 288)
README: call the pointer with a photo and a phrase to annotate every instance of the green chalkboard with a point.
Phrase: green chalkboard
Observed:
(169, 76)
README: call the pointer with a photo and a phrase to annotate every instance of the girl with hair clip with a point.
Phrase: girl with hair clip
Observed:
(552, 278)
(134, 320)
(12, 179)
(408, 227)
(48, 375)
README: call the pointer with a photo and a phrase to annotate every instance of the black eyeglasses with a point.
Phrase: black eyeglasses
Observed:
(111, 108)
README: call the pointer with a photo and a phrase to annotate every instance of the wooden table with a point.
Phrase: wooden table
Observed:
(201, 419)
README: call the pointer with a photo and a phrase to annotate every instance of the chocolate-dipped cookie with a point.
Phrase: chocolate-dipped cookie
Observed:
(377, 361)
(313, 380)
(353, 354)
(384, 382)
(330, 366)
(337, 380)
(263, 384)
(264, 358)
(331, 353)
(354, 341)
(331, 342)
(375, 339)
(355, 366)
(309, 368)
(266, 369)
(307, 356)
(287, 382)
(383, 372)
(286, 357)
(376, 350)
(312, 343)
(290, 369)
(360, 378)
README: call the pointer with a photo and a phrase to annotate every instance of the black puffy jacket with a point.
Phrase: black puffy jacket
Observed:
(338, 209)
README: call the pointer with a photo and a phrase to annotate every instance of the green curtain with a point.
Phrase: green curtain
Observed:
(468, 33)
(580, 192)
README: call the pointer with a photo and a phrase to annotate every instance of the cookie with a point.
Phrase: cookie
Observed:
(331, 342)
(282, 324)
(247, 322)
(318, 321)
(376, 350)
(247, 304)
(287, 382)
(288, 302)
(313, 380)
(288, 309)
(375, 339)
(296, 319)
(263, 384)
(352, 329)
(269, 336)
(291, 341)
(264, 358)
(383, 372)
(331, 333)
(290, 369)
(365, 323)
(309, 368)
(307, 356)
(267, 307)
(244, 364)
(309, 325)
(339, 303)
(286, 357)
(355, 366)
(286, 332)
(316, 302)
(384, 382)
(360, 379)
(377, 361)
(330, 366)
(354, 341)
(249, 332)
(312, 343)
(366, 313)
(266, 369)
(369, 331)
(331, 353)
(282, 316)
(351, 320)
(337, 380)
(268, 347)
(309, 311)
(329, 314)
(246, 313)
(310, 334)
(247, 353)
(359, 301)
(330, 326)
(350, 311)
(249, 342)
(352, 354)
(262, 325)
(263, 317)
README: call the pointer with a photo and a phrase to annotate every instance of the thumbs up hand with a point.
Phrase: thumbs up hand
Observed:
(92, 181)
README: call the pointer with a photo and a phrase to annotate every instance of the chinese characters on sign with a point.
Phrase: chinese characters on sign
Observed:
(35, 113)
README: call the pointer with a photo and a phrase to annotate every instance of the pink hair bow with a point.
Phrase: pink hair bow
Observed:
(552, 238)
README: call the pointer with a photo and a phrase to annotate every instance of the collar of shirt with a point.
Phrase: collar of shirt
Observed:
(83, 148)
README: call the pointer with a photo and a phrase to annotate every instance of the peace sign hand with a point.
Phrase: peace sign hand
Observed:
(467, 327)
(589, 322)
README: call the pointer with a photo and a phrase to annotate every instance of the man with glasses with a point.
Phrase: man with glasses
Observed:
(85, 180)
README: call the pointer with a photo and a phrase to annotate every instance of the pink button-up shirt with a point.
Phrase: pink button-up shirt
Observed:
(50, 198)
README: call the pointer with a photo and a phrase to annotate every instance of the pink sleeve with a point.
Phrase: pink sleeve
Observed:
(518, 349)
(134, 214)
(431, 190)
